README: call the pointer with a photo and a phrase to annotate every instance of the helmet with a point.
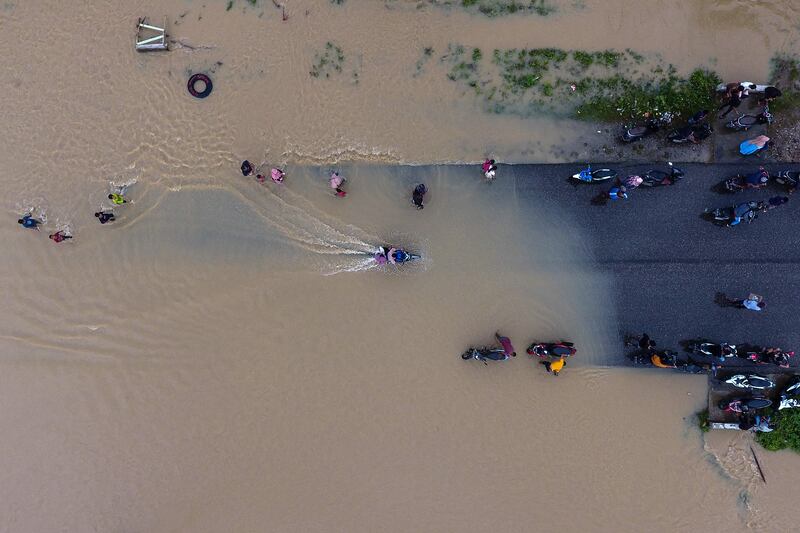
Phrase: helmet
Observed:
(400, 256)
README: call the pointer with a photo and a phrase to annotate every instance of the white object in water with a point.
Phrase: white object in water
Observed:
(149, 38)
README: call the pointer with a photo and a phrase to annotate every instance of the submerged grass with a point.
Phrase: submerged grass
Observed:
(499, 8)
(329, 61)
(593, 85)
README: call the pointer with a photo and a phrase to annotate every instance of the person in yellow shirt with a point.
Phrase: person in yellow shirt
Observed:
(117, 199)
(555, 366)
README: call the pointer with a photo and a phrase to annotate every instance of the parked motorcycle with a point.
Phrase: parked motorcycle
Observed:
(552, 349)
(788, 178)
(720, 351)
(790, 398)
(657, 178)
(669, 359)
(588, 175)
(485, 354)
(745, 405)
(651, 126)
(691, 133)
(770, 357)
(745, 122)
(740, 182)
(751, 381)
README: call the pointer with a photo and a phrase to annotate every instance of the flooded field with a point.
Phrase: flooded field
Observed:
(226, 355)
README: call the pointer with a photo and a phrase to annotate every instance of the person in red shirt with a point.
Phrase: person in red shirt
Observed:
(505, 342)
(60, 236)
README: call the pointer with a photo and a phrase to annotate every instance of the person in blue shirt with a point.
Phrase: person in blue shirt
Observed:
(29, 222)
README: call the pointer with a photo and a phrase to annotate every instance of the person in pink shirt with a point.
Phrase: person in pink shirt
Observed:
(277, 175)
(336, 184)
(489, 169)
(505, 342)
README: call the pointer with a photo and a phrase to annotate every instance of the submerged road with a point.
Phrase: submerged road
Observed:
(667, 263)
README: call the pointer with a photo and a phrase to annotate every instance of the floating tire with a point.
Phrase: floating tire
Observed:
(193, 82)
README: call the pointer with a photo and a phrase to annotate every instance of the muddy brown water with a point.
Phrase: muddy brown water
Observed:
(224, 358)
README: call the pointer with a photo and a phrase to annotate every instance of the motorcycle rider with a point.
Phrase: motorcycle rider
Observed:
(756, 179)
(747, 210)
(662, 360)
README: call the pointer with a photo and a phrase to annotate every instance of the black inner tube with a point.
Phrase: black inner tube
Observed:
(193, 81)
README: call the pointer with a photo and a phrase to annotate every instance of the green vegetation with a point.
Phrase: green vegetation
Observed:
(786, 434)
(786, 76)
(327, 62)
(427, 52)
(603, 85)
(499, 8)
(702, 420)
(230, 4)
(617, 97)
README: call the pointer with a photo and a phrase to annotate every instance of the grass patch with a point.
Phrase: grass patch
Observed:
(786, 434)
(702, 421)
(328, 61)
(499, 8)
(618, 97)
(427, 53)
(606, 85)
(786, 76)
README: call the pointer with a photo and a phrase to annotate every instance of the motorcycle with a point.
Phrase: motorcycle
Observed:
(755, 146)
(656, 178)
(745, 122)
(764, 357)
(740, 182)
(789, 178)
(745, 405)
(484, 354)
(735, 214)
(790, 398)
(667, 359)
(710, 349)
(651, 126)
(400, 256)
(693, 133)
(750, 381)
(552, 349)
(588, 175)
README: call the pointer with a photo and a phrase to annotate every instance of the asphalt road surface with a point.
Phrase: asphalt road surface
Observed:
(667, 263)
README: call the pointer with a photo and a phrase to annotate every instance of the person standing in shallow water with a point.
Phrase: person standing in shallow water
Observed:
(60, 236)
(29, 222)
(336, 183)
(418, 196)
(505, 342)
(489, 169)
(117, 199)
(277, 175)
(104, 217)
(555, 366)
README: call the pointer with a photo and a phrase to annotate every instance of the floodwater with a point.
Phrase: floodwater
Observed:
(225, 357)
